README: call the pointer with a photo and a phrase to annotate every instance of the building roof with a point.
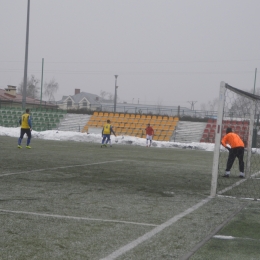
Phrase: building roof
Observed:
(17, 98)
(92, 98)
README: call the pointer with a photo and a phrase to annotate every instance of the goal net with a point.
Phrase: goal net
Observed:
(239, 110)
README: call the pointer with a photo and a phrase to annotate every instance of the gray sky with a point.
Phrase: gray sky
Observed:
(164, 51)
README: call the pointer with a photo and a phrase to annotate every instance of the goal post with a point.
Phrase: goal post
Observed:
(221, 102)
(239, 110)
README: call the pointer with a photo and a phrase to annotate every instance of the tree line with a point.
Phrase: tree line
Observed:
(33, 88)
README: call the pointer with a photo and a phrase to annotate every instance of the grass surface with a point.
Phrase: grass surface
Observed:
(245, 232)
(69, 200)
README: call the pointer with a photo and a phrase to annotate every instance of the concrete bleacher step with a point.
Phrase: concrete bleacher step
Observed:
(73, 122)
(188, 132)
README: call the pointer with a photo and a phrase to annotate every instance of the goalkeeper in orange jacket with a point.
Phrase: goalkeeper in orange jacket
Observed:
(235, 146)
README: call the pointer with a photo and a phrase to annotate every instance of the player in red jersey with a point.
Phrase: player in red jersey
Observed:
(149, 135)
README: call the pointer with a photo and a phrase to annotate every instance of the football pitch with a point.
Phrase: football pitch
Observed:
(75, 200)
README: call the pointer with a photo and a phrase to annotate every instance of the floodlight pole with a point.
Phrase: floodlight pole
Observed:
(42, 80)
(255, 79)
(115, 93)
(26, 57)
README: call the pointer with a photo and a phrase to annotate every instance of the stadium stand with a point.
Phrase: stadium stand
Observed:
(41, 119)
(135, 124)
(239, 127)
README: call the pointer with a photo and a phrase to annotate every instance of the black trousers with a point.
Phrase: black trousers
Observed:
(234, 153)
(25, 131)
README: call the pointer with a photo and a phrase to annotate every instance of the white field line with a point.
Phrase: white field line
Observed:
(237, 183)
(75, 218)
(232, 197)
(230, 237)
(178, 164)
(61, 167)
(154, 231)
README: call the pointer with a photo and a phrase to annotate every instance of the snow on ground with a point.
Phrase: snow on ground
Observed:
(96, 138)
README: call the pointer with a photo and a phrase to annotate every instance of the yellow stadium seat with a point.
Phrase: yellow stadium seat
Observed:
(116, 124)
(136, 120)
(157, 122)
(116, 115)
(105, 114)
(100, 124)
(157, 132)
(164, 122)
(155, 127)
(169, 135)
(123, 130)
(122, 115)
(116, 119)
(148, 117)
(95, 114)
(164, 132)
(130, 120)
(132, 116)
(138, 116)
(135, 131)
(94, 118)
(91, 124)
(155, 137)
(123, 120)
(159, 117)
(161, 138)
(143, 116)
(161, 127)
(127, 115)
(176, 119)
(100, 113)
(166, 127)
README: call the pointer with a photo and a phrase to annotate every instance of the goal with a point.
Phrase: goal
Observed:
(239, 110)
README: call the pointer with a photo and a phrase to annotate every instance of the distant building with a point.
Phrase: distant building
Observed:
(80, 100)
(95, 103)
(9, 98)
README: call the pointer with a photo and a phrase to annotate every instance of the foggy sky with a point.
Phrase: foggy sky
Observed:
(165, 51)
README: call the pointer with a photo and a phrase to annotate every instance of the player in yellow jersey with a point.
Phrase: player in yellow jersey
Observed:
(106, 132)
(26, 128)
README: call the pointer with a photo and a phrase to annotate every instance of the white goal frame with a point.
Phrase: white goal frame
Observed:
(218, 133)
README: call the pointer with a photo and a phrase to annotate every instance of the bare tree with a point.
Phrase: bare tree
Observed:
(110, 96)
(103, 94)
(203, 107)
(213, 105)
(159, 105)
(107, 95)
(32, 89)
(50, 88)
